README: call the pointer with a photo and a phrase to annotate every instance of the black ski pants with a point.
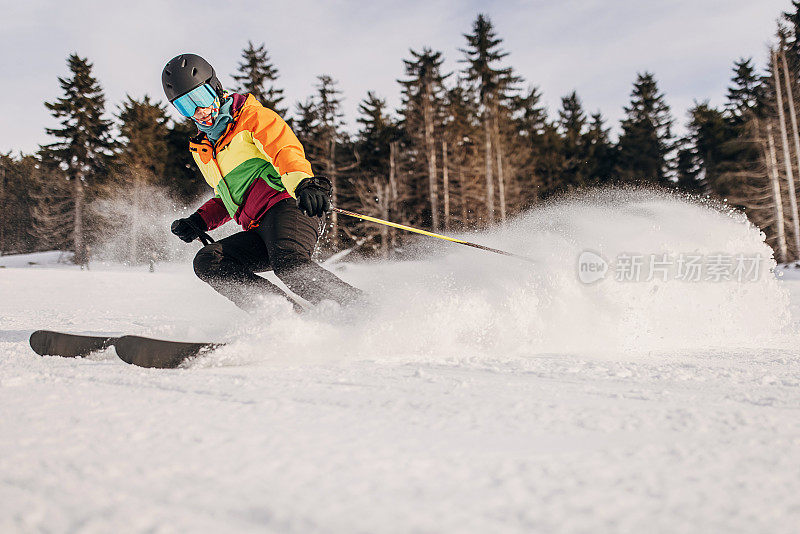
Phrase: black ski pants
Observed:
(282, 242)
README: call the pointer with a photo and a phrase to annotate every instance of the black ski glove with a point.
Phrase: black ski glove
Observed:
(314, 195)
(189, 228)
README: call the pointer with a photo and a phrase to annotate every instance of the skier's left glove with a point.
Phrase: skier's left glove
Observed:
(314, 195)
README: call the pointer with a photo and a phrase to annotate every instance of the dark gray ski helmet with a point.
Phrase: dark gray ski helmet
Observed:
(185, 72)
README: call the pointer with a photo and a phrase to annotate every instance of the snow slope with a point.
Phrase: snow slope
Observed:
(475, 394)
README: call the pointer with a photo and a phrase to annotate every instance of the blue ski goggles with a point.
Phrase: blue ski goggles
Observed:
(199, 97)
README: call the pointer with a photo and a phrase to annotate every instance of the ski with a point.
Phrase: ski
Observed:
(135, 350)
(49, 343)
(158, 353)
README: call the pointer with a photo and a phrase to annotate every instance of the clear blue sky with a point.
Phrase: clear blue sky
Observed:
(593, 46)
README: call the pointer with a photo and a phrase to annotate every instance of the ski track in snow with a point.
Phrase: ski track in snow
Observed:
(474, 395)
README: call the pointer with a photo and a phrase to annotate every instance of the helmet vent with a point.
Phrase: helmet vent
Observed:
(194, 72)
(183, 62)
(168, 72)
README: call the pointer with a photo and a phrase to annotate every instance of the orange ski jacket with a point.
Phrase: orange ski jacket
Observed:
(257, 162)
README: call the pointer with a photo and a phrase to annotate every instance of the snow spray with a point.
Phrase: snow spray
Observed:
(616, 271)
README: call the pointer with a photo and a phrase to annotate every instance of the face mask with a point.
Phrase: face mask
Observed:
(212, 116)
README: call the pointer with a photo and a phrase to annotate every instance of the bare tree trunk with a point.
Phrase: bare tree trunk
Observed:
(78, 242)
(133, 241)
(394, 208)
(488, 161)
(446, 186)
(463, 190)
(786, 156)
(334, 196)
(3, 210)
(793, 118)
(384, 194)
(772, 171)
(430, 148)
(501, 184)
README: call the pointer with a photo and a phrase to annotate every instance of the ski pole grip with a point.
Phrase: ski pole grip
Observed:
(205, 238)
(201, 235)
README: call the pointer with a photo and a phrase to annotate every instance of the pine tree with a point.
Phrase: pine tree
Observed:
(257, 76)
(329, 107)
(493, 85)
(330, 125)
(541, 147)
(16, 183)
(138, 177)
(320, 127)
(744, 148)
(482, 54)
(792, 36)
(319, 124)
(305, 122)
(600, 152)
(422, 117)
(531, 113)
(646, 143)
(687, 166)
(143, 132)
(52, 210)
(746, 92)
(461, 132)
(550, 161)
(748, 169)
(84, 142)
(572, 118)
(374, 135)
(572, 125)
(703, 153)
(180, 170)
(7, 167)
(376, 188)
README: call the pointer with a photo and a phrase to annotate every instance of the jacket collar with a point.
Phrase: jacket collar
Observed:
(236, 109)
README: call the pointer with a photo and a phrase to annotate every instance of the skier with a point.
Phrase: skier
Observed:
(262, 180)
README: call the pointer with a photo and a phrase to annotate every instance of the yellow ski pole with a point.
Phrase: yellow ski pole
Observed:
(430, 234)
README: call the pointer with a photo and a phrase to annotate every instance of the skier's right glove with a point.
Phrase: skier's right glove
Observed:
(314, 195)
(189, 228)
